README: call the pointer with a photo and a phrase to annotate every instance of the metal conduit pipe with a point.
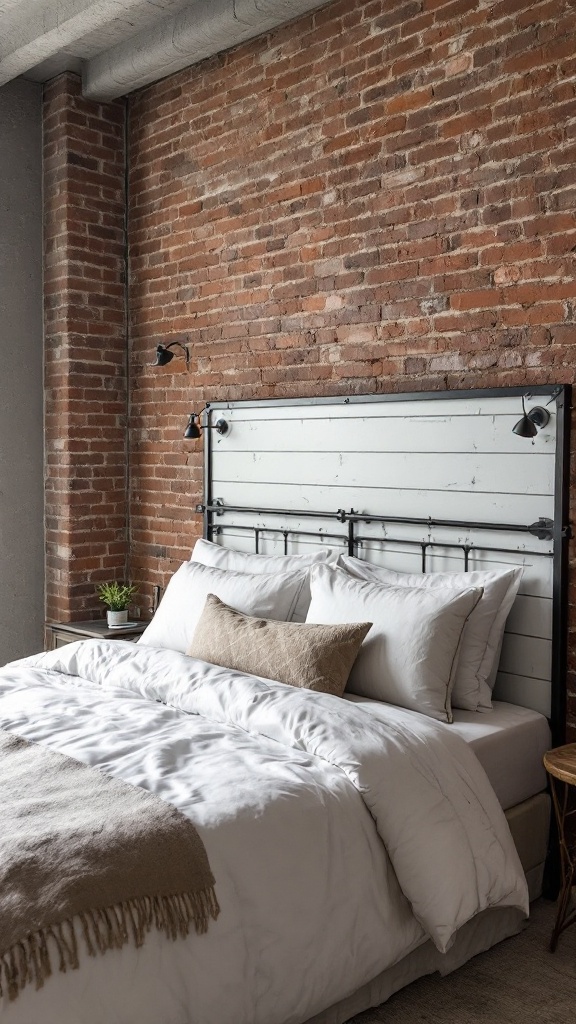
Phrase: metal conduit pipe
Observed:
(201, 30)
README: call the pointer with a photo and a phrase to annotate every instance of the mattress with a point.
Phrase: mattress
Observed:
(509, 742)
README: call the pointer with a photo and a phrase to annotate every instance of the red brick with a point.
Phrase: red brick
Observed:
(84, 414)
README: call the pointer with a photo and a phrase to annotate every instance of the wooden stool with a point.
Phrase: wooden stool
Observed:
(560, 764)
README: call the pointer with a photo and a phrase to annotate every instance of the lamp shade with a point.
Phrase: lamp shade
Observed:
(163, 356)
(525, 427)
(531, 421)
(192, 432)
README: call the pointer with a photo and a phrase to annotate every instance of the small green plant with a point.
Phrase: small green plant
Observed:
(116, 596)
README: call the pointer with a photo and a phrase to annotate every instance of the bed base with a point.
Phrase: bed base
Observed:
(529, 824)
(478, 935)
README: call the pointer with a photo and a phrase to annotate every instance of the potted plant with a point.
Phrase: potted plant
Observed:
(116, 597)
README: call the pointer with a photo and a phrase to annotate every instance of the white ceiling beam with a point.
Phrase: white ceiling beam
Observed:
(201, 30)
(35, 32)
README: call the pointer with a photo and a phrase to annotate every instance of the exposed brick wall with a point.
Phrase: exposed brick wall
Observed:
(380, 196)
(85, 342)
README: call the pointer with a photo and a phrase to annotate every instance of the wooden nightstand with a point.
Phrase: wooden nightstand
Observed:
(560, 764)
(66, 632)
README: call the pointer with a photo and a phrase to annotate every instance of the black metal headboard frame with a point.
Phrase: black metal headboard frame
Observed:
(556, 530)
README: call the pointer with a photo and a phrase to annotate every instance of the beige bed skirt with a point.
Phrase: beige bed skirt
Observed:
(529, 824)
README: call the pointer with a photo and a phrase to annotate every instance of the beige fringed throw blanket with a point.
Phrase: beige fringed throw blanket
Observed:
(87, 864)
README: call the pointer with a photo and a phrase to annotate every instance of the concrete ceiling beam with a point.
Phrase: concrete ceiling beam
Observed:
(204, 28)
(35, 32)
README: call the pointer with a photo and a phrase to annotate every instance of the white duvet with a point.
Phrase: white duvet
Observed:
(339, 842)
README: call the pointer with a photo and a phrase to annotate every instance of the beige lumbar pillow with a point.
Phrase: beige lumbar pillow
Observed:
(299, 654)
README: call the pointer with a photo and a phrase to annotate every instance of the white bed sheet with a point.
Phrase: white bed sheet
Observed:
(509, 742)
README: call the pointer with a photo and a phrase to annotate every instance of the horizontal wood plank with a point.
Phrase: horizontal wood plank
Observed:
(528, 693)
(527, 656)
(531, 616)
(477, 473)
(426, 433)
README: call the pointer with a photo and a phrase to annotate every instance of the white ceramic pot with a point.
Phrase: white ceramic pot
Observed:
(117, 618)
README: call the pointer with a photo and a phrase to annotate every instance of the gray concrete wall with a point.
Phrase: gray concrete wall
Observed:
(21, 372)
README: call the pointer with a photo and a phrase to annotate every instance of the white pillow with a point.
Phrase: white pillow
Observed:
(266, 596)
(482, 639)
(409, 655)
(245, 561)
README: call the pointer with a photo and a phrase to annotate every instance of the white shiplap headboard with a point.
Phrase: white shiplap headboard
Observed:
(455, 485)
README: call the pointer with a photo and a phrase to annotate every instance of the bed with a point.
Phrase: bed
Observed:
(357, 842)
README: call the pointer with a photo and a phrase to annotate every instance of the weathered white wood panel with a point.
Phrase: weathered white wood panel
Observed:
(531, 616)
(382, 433)
(526, 656)
(436, 458)
(529, 693)
(384, 471)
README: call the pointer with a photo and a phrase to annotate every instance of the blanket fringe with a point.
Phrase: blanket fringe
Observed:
(33, 959)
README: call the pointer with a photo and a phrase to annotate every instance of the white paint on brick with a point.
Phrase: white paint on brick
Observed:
(327, 268)
(507, 275)
(460, 64)
(394, 179)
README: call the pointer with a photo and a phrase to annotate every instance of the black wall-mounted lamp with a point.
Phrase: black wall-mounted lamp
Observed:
(194, 427)
(163, 355)
(531, 421)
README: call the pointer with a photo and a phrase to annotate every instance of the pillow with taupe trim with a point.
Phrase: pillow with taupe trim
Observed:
(315, 657)
(410, 655)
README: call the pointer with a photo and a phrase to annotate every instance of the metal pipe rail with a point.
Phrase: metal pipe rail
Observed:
(542, 528)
